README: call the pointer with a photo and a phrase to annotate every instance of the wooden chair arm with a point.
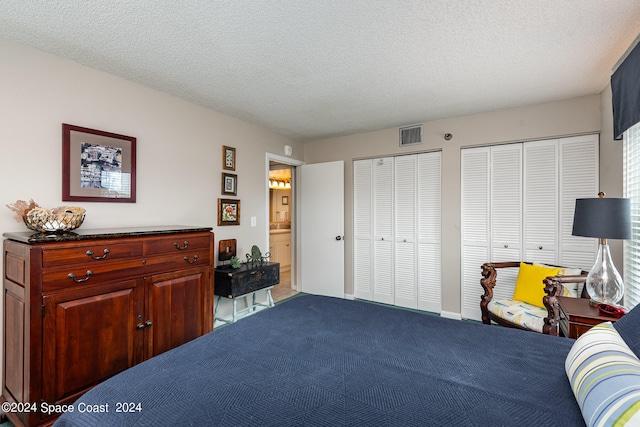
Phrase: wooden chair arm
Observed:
(488, 282)
(489, 275)
(503, 264)
(554, 287)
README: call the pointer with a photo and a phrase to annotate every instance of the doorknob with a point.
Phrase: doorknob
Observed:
(339, 237)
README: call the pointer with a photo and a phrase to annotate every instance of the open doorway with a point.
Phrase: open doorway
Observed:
(282, 226)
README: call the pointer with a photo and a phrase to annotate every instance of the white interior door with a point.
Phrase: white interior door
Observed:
(321, 195)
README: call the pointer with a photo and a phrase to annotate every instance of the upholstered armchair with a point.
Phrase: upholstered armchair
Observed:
(532, 313)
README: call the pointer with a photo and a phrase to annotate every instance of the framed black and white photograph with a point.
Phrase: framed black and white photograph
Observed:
(97, 166)
(229, 184)
(228, 158)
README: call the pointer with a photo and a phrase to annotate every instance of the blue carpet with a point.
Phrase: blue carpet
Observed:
(319, 361)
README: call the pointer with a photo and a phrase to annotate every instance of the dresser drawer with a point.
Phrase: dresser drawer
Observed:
(176, 261)
(177, 243)
(58, 278)
(91, 253)
(54, 279)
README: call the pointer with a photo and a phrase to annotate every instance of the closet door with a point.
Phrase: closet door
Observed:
(579, 167)
(405, 231)
(540, 199)
(362, 226)
(506, 203)
(491, 219)
(506, 214)
(383, 283)
(429, 232)
(475, 170)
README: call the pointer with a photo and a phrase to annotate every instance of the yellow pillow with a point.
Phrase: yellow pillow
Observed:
(568, 289)
(529, 285)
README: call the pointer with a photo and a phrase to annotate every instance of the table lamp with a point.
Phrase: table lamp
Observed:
(603, 218)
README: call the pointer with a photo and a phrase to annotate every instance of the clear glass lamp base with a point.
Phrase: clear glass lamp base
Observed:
(604, 283)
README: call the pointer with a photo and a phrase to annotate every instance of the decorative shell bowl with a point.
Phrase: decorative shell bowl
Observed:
(56, 220)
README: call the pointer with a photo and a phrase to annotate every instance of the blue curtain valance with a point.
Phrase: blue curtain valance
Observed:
(625, 87)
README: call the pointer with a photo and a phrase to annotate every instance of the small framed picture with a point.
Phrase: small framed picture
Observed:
(228, 158)
(229, 184)
(228, 212)
(285, 200)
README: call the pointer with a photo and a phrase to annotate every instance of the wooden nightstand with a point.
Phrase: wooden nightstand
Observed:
(577, 316)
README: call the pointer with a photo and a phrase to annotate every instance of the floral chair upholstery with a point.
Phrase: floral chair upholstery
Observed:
(522, 315)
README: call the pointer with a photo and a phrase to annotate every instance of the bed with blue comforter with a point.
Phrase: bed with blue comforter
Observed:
(324, 361)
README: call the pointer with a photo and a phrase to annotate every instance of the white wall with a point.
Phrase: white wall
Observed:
(179, 150)
(574, 116)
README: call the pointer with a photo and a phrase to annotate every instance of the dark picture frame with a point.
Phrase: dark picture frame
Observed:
(285, 200)
(97, 166)
(229, 184)
(228, 212)
(228, 158)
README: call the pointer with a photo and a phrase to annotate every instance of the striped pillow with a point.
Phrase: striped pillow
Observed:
(605, 378)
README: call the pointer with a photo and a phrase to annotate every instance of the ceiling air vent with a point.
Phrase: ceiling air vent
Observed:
(411, 135)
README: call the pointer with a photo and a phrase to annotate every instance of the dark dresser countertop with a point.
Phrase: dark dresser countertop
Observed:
(32, 237)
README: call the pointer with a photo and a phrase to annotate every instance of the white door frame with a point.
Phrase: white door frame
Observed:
(295, 224)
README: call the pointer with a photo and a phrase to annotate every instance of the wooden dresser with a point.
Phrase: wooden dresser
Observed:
(81, 307)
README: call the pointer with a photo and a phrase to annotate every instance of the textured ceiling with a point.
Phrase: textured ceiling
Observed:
(319, 68)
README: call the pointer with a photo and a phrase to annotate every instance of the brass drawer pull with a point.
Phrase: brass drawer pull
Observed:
(195, 258)
(182, 248)
(75, 279)
(105, 252)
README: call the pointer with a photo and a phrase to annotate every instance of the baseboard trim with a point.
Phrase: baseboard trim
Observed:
(349, 296)
(451, 315)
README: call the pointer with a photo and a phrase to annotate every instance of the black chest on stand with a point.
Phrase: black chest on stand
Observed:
(230, 283)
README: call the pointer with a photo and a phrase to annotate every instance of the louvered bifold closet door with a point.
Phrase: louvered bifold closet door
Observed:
(475, 226)
(579, 172)
(506, 214)
(383, 258)
(405, 188)
(429, 232)
(362, 227)
(540, 213)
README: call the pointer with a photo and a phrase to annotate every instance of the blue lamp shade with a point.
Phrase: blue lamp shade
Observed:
(606, 217)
